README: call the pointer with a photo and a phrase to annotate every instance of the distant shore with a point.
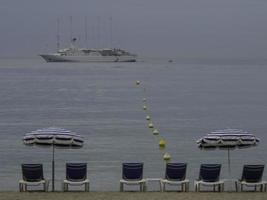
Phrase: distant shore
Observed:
(131, 196)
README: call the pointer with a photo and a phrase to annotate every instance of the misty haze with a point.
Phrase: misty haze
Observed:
(181, 29)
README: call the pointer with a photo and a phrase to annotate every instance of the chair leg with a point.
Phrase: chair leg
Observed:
(221, 187)
(196, 187)
(236, 186)
(46, 184)
(183, 187)
(187, 187)
(164, 187)
(21, 187)
(87, 187)
(145, 187)
(121, 187)
(141, 187)
(160, 186)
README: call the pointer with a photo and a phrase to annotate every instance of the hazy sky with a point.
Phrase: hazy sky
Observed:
(180, 28)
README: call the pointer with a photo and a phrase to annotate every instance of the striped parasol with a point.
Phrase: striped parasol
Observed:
(55, 137)
(228, 139)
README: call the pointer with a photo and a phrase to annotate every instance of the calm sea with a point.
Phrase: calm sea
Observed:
(101, 102)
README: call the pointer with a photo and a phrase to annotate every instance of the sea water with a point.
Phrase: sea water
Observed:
(102, 102)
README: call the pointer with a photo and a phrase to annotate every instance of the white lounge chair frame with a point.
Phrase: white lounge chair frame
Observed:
(141, 183)
(184, 184)
(23, 185)
(219, 184)
(66, 183)
(262, 185)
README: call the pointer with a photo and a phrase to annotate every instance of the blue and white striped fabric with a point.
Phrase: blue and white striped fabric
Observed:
(53, 136)
(228, 138)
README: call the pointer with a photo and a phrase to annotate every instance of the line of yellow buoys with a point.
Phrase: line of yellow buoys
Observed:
(151, 126)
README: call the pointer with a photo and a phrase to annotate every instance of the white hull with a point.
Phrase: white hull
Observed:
(89, 58)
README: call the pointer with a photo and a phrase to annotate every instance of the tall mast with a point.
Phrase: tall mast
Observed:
(71, 37)
(58, 36)
(93, 35)
(111, 32)
(85, 29)
(98, 32)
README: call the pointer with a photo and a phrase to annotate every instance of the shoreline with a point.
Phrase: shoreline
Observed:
(132, 195)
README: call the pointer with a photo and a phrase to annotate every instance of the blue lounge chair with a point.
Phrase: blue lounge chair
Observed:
(132, 174)
(176, 175)
(76, 174)
(32, 175)
(209, 175)
(252, 177)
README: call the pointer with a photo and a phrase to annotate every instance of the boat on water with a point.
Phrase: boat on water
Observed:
(74, 54)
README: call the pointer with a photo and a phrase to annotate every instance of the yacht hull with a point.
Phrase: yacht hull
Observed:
(59, 58)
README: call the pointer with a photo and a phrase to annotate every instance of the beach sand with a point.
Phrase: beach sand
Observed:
(131, 196)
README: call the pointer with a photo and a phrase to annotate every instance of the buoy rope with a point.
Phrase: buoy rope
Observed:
(157, 135)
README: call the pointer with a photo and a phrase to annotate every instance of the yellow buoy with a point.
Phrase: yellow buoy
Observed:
(155, 132)
(162, 143)
(166, 157)
(150, 125)
(147, 117)
(137, 82)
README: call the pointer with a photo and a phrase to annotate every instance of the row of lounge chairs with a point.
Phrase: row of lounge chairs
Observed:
(209, 175)
(132, 174)
(32, 175)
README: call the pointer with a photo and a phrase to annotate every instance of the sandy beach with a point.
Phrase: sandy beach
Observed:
(131, 196)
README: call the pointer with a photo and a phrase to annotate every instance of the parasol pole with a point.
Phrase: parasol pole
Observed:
(229, 163)
(53, 169)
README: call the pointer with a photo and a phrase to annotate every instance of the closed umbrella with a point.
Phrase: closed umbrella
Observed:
(228, 139)
(54, 137)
